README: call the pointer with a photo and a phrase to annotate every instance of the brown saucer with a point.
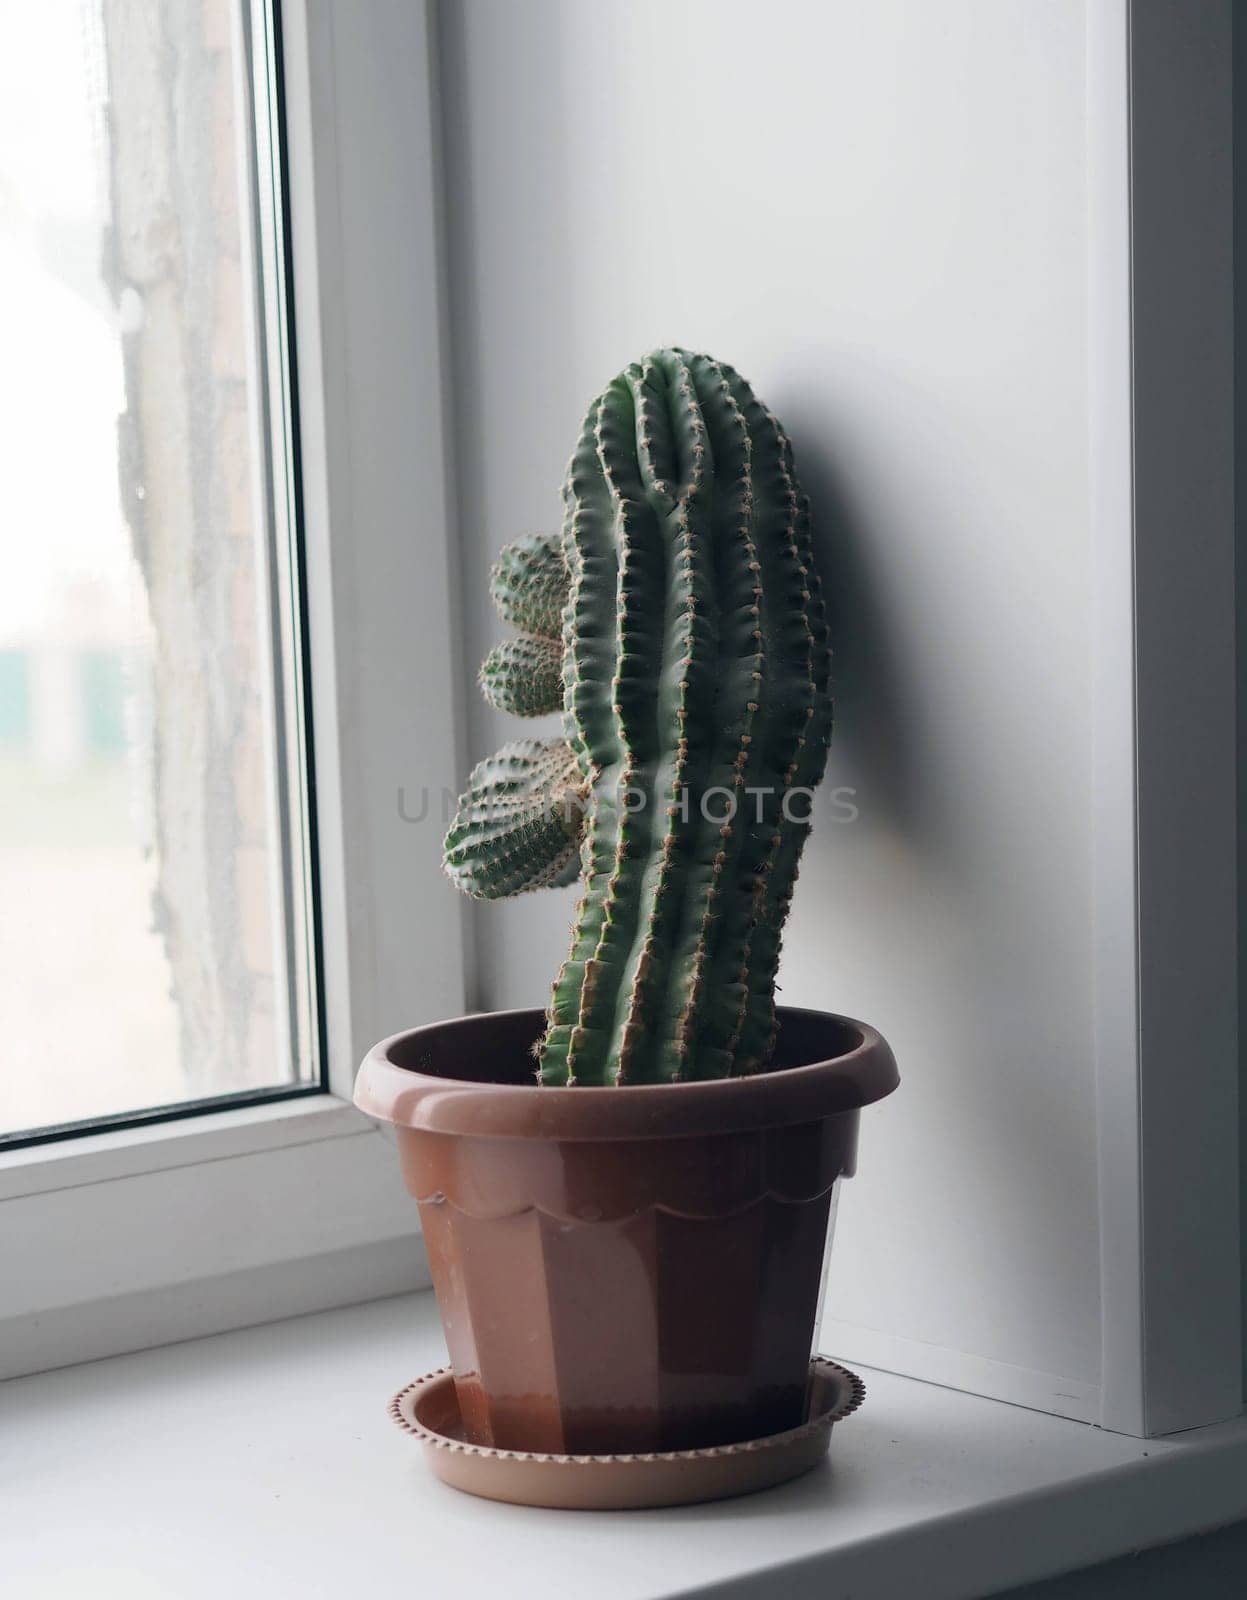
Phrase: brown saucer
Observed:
(429, 1408)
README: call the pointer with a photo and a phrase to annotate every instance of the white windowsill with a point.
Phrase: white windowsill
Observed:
(211, 1136)
(261, 1462)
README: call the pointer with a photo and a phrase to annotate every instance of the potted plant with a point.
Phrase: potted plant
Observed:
(627, 1198)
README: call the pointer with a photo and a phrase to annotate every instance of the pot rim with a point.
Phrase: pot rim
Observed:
(842, 1081)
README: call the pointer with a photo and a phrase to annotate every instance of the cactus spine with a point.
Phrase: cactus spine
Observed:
(694, 667)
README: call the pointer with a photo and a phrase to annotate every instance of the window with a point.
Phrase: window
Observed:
(277, 1197)
(155, 841)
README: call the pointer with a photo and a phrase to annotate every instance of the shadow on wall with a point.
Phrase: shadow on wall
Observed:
(873, 740)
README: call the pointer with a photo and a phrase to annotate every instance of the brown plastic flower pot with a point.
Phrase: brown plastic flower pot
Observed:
(633, 1269)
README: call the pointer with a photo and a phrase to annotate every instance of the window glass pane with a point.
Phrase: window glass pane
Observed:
(154, 883)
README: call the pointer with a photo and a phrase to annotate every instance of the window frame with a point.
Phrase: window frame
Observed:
(139, 1234)
(1161, 120)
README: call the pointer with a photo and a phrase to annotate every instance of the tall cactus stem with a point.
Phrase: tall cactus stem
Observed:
(679, 615)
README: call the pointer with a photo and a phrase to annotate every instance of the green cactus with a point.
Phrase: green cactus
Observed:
(524, 675)
(518, 826)
(694, 666)
(529, 584)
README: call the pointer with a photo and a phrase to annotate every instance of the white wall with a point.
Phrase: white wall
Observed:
(878, 213)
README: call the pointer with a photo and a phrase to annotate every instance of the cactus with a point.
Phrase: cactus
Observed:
(529, 584)
(694, 666)
(518, 826)
(524, 675)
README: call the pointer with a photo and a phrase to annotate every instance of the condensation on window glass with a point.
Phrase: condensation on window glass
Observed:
(144, 848)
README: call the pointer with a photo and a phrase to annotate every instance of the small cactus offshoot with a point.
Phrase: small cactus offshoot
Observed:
(678, 622)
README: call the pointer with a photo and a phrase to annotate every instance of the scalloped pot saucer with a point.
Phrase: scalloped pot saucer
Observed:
(627, 1272)
(429, 1409)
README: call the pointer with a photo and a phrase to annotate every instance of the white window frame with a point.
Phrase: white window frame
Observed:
(1161, 304)
(134, 1237)
(127, 1239)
